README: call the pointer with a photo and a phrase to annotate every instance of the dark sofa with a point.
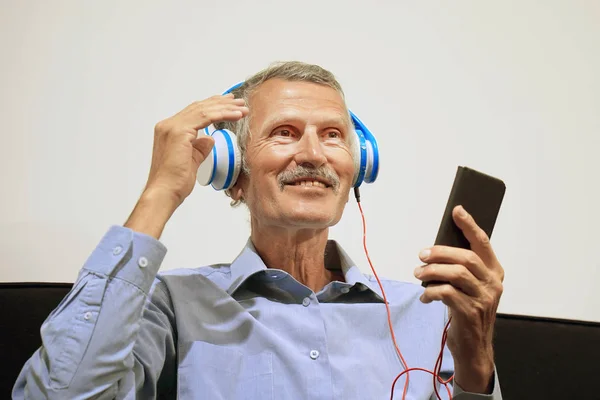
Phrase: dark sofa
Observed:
(537, 358)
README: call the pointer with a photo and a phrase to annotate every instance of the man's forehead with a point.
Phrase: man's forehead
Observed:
(279, 100)
(316, 116)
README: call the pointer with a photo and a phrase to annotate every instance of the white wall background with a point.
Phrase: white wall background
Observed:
(510, 88)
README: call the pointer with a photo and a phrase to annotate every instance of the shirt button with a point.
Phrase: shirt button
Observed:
(274, 275)
(314, 354)
(306, 302)
(143, 262)
(344, 290)
(87, 315)
(117, 250)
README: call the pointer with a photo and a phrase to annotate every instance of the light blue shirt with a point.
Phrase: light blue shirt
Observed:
(230, 331)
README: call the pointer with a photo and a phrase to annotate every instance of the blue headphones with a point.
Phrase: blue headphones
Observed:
(222, 167)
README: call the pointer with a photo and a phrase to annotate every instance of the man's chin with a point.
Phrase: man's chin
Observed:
(311, 219)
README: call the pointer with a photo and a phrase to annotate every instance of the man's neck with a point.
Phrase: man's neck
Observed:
(301, 253)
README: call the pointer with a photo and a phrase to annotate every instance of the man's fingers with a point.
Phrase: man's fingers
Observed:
(228, 99)
(223, 101)
(454, 255)
(457, 275)
(206, 116)
(239, 102)
(203, 144)
(447, 294)
(199, 108)
(479, 240)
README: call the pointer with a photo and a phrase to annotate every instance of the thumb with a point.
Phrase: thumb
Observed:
(479, 240)
(202, 147)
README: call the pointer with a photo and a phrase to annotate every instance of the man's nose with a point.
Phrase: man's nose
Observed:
(310, 150)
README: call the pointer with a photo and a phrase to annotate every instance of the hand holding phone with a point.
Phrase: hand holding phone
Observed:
(469, 276)
(481, 196)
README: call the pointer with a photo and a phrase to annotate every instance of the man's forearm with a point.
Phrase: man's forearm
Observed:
(151, 213)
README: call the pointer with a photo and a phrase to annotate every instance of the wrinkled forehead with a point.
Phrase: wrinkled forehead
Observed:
(277, 101)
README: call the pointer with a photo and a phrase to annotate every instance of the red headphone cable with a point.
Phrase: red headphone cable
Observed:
(438, 363)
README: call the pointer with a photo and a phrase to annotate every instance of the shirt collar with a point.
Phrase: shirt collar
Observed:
(246, 264)
(352, 273)
(249, 263)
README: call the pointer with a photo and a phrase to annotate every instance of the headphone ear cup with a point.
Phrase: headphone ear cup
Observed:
(360, 158)
(355, 149)
(206, 170)
(369, 163)
(372, 169)
(366, 153)
(237, 161)
(222, 167)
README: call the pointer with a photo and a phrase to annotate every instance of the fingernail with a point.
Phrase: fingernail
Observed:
(421, 298)
(424, 254)
(461, 212)
(418, 271)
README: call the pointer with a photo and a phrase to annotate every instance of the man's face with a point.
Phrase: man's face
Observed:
(299, 156)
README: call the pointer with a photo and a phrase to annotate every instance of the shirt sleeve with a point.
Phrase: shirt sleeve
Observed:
(110, 336)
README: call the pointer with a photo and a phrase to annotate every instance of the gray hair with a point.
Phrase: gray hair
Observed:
(293, 71)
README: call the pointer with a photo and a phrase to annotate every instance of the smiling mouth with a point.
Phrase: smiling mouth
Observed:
(309, 183)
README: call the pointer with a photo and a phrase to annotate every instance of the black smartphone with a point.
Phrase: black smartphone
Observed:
(481, 195)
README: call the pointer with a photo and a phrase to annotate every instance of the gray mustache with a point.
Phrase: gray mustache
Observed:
(302, 172)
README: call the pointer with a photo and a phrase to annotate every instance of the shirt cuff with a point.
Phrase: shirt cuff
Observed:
(128, 255)
(460, 394)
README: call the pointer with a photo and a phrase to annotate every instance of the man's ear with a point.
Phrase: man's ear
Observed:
(237, 191)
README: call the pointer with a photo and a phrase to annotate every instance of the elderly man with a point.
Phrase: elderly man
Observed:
(292, 317)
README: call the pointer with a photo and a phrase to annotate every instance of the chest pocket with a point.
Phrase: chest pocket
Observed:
(210, 371)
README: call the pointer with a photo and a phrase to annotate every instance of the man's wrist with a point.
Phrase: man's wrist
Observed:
(475, 377)
(152, 212)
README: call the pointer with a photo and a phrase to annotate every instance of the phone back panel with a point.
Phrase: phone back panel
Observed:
(481, 195)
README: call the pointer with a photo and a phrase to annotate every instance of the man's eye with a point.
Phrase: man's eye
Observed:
(283, 132)
(333, 134)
